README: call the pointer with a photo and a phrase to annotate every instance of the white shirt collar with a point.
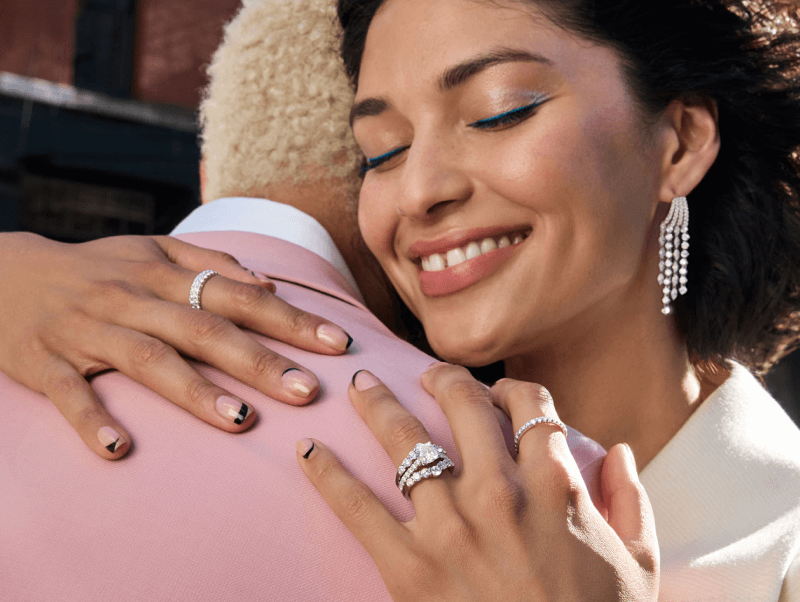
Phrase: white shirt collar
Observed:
(262, 216)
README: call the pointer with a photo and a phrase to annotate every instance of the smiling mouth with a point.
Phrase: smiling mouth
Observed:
(458, 255)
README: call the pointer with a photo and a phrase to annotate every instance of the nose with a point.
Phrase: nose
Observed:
(434, 181)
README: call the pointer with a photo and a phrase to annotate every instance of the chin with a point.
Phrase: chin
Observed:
(472, 350)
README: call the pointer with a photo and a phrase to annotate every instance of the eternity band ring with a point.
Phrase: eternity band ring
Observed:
(197, 286)
(531, 423)
(431, 471)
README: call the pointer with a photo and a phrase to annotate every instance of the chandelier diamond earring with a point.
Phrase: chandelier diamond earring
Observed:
(674, 253)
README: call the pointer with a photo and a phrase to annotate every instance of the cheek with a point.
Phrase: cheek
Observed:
(377, 221)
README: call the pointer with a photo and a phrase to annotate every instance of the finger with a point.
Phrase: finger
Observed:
(198, 259)
(523, 401)
(77, 402)
(258, 309)
(471, 414)
(215, 340)
(397, 430)
(158, 366)
(352, 501)
(630, 514)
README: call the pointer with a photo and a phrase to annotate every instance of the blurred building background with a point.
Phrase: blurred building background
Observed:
(98, 127)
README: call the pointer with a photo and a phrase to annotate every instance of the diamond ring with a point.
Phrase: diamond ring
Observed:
(424, 461)
(197, 287)
(531, 423)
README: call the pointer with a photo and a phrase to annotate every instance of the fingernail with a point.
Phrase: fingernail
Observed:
(434, 364)
(110, 438)
(305, 447)
(630, 461)
(363, 380)
(232, 409)
(265, 279)
(334, 337)
(298, 382)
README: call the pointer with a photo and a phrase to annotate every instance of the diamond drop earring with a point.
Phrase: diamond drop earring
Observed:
(674, 253)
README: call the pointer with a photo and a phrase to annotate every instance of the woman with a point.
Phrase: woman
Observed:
(556, 138)
(568, 130)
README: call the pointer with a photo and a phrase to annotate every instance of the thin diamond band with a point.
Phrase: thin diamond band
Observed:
(531, 423)
(197, 287)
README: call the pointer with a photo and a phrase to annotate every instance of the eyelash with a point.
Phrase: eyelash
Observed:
(508, 118)
(512, 117)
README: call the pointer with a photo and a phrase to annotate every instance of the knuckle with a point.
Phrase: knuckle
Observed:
(456, 533)
(422, 567)
(226, 257)
(113, 292)
(264, 363)
(560, 487)
(245, 296)
(522, 391)
(299, 321)
(198, 391)
(357, 504)
(468, 392)
(405, 431)
(505, 497)
(65, 385)
(204, 327)
(146, 353)
(90, 415)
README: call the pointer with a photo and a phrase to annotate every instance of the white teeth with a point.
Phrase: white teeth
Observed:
(488, 244)
(473, 250)
(436, 263)
(455, 256)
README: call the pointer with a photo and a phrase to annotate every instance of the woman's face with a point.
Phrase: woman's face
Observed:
(492, 126)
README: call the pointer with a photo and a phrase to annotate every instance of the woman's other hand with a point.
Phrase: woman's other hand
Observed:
(72, 310)
(503, 528)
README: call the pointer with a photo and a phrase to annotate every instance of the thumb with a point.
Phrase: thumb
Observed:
(630, 514)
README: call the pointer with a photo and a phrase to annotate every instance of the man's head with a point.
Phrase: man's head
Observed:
(275, 112)
(275, 122)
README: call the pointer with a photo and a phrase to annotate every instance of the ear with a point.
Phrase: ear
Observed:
(691, 145)
(203, 198)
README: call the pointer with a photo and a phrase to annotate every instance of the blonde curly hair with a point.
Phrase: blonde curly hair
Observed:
(276, 108)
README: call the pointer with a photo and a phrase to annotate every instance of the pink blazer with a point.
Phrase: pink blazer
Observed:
(194, 513)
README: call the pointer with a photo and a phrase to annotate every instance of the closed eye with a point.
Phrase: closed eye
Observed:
(379, 160)
(509, 117)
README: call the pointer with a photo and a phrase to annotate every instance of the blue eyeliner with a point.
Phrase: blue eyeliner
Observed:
(375, 161)
(509, 117)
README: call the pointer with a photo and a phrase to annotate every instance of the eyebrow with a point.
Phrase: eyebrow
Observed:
(454, 76)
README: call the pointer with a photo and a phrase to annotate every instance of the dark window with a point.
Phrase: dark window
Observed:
(104, 39)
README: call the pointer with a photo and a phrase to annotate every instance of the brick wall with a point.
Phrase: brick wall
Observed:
(37, 38)
(176, 39)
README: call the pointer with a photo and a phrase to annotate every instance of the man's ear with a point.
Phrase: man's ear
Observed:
(203, 198)
(691, 146)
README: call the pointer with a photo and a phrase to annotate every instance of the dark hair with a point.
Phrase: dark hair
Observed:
(744, 271)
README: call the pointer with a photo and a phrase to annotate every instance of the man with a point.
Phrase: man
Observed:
(195, 513)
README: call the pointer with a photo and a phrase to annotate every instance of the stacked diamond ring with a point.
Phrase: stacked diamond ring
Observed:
(424, 461)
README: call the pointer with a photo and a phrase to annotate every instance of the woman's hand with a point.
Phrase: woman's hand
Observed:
(503, 529)
(70, 311)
